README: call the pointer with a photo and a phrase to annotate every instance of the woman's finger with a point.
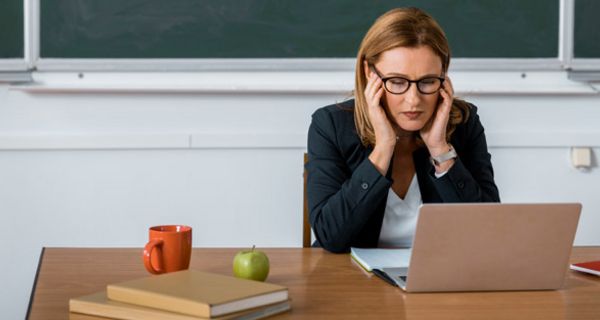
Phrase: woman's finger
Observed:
(446, 101)
(378, 94)
(369, 87)
(372, 87)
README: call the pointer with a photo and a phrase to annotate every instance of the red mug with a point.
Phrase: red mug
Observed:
(169, 249)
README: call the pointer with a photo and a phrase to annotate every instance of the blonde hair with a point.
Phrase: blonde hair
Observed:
(402, 27)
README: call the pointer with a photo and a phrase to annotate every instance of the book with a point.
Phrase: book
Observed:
(98, 304)
(377, 258)
(197, 293)
(592, 267)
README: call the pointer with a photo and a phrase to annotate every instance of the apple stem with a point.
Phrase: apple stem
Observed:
(253, 246)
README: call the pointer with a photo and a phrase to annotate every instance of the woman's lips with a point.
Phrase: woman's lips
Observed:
(412, 115)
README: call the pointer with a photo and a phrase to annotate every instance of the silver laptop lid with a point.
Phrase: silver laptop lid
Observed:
(483, 247)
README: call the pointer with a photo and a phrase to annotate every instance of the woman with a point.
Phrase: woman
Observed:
(404, 140)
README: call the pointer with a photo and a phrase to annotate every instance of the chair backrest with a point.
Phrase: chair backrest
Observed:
(306, 234)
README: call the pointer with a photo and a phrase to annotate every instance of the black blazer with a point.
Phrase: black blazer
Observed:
(347, 195)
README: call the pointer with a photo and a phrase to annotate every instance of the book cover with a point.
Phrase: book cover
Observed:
(592, 267)
(197, 293)
(98, 304)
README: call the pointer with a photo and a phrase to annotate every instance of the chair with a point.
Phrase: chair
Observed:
(306, 232)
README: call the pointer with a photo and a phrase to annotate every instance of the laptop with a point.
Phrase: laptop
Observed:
(489, 247)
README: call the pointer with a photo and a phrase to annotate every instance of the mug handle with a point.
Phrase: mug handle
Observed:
(150, 246)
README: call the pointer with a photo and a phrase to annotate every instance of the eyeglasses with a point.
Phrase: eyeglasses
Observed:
(399, 85)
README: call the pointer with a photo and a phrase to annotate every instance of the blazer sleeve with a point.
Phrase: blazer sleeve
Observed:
(471, 178)
(340, 200)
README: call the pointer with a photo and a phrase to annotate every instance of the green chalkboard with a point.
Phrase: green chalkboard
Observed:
(11, 29)
(283, 28)
(587, 29)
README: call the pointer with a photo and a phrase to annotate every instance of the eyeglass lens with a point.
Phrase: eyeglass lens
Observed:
(401, 85)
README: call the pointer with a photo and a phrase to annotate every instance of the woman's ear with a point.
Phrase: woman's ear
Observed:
(366, 69)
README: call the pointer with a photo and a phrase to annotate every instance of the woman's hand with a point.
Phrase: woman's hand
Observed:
(385, 136)
(434, 132)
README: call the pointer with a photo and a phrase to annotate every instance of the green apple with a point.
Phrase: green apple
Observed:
(251, 264)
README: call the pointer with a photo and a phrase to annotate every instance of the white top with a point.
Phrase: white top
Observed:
(400, 217)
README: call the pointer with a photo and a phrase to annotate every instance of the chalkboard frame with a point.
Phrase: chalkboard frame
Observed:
(10, 68)
(32, 59)
(273, 64)
(580, 69)
(267, 64)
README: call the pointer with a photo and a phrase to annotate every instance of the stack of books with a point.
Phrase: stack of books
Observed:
(184, 295)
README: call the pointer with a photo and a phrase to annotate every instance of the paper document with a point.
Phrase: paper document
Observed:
(381, 258)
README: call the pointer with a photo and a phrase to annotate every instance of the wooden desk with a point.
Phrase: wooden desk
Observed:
(321, 285)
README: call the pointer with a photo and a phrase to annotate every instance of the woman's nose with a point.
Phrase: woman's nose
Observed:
(412, 96)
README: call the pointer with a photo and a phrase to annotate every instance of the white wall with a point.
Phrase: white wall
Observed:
(95, 161)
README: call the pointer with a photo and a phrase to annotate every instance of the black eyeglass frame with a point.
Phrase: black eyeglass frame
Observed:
(410, 82)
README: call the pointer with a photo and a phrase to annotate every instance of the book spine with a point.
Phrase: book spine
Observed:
(124, 313)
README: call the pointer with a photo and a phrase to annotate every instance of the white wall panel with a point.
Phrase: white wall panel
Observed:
(96, 168)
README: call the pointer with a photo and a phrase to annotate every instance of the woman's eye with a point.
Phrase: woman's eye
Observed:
(398, 81)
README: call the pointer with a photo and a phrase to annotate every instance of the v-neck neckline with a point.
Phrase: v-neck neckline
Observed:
(409, 193)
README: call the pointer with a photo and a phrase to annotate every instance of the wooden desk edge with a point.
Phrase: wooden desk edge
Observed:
(35, 281)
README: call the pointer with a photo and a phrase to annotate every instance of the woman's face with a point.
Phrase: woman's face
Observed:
(410, 110)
